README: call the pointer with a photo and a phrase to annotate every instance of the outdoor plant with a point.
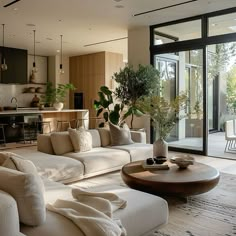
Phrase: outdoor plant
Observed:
(106, 106)
(134, 84)
(163, 113)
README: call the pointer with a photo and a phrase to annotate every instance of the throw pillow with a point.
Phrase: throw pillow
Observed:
(105, 136)
(17, 162)
(120, 135)
(61, 143)
(26, 191)
(81, 139)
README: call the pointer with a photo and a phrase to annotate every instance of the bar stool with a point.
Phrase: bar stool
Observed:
(80, 123)
(60, 124)
(3, 137)
(29, 131)
(40, 125)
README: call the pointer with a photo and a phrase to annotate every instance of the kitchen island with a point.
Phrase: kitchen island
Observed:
(16, 121)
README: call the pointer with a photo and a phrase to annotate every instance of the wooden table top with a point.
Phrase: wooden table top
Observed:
(197, 172)
(195, 179)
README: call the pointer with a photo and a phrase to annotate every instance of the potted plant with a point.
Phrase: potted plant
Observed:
(134, 84)
(106, 106)
(164, 115)
(56, 96)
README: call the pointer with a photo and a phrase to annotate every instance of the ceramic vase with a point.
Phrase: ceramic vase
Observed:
(58, 105)
(160, 148)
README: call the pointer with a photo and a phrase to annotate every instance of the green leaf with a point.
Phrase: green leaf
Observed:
(101, 125)
(99, 111)
(105, 116)
(106, 90)
(96, 104)
(114, 117)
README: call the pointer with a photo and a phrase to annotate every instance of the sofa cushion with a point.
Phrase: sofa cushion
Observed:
(61, 143)
(95, 137)
(53, 167)
(137, 151)
(44, 143)
(26, 190)
(105, 136)
(16, 162)
(120, 135)
(101, 160)
(9, 223)
(80, 139)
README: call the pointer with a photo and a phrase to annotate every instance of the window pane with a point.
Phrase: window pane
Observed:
(225, 24)
(177, 32)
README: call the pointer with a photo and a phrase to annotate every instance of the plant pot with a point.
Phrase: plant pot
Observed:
(160, 148)
(58, 105)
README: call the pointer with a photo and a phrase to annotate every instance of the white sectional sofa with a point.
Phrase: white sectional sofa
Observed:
(60, 163)
(144, 212)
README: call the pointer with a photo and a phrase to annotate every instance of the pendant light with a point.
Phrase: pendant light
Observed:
(34, 70)
(61, 66)
(3, 62)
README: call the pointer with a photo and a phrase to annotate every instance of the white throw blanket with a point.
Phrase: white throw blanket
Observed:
(92, 212)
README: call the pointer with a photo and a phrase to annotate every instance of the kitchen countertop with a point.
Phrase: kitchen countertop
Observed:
(37, 111)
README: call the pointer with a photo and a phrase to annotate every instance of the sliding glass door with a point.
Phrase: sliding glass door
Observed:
(183, 72)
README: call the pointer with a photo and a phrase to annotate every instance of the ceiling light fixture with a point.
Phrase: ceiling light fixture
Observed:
(34, 64)
(3, 61)
(61, 67)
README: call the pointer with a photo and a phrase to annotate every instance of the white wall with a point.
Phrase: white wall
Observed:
(138, 46)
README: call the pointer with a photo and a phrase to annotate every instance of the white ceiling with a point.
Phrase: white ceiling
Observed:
(83, 22)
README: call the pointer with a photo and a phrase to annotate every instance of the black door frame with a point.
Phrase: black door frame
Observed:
(199, 43)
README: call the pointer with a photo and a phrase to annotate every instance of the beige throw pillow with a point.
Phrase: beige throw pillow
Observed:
(61, 143)
(81, 140)
(120, 135)
(26, 191)
(105, 136)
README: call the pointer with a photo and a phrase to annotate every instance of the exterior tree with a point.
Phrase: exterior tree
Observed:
(231, 90)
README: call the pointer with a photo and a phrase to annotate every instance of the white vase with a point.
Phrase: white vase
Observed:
(160, 148)
(58, 105)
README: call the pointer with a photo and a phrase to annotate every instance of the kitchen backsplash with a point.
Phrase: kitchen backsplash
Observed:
(23, 99)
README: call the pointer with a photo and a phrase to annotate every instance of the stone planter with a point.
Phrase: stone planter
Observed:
(58, 106)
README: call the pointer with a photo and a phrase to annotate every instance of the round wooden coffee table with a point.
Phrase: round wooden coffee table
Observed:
(196, 179)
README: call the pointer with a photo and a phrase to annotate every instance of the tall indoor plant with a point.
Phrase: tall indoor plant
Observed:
(164, 115)
(106, 106)
(132, 84)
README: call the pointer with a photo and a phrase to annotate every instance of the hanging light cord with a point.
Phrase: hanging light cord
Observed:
(61, 52)
(34, 48)
(3, 25)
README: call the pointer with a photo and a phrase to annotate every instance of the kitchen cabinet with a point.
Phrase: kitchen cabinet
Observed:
(16, 60)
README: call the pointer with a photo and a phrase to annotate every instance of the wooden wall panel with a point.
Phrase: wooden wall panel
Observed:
(89, 72)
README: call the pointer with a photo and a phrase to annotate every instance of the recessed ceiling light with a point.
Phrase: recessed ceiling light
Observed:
(15, 9)
(119, 6)
(48, 38)
(30, 25)
(58, 50)
(117, 0)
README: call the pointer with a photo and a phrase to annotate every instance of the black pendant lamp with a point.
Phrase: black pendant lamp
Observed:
(3, 61)
(34, 70)
(61, 66)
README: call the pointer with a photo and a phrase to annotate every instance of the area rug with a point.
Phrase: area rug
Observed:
(208, 214)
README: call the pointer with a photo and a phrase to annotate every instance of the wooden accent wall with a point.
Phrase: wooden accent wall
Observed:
(89, 72)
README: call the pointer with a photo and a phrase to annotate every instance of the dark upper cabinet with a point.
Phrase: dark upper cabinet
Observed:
(16, 60)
